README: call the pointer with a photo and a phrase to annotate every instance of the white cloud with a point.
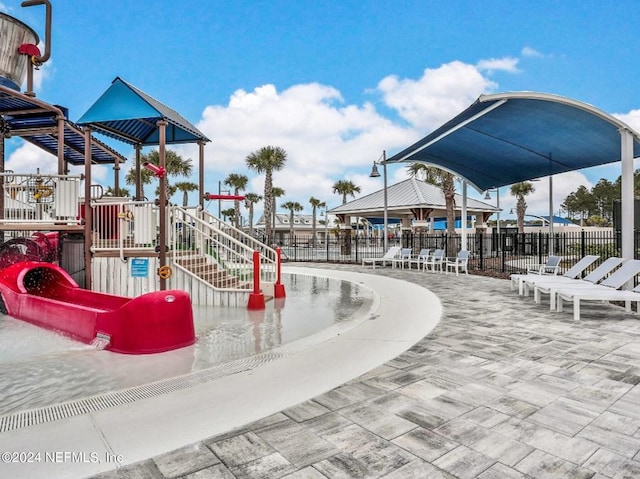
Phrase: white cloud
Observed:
(506, 64)
(632, 119)
(530, 52)
(441, 93)
(28, 158)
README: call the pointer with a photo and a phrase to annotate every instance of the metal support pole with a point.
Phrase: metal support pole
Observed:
(61, 162)
(386, 204)
(551, 240)
(201, 175)
(498, 207)
(463, 222)
(88, 214)
(138, 147)
(627, 216)
(162, 243)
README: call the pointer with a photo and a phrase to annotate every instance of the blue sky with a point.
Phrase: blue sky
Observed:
(333, 82)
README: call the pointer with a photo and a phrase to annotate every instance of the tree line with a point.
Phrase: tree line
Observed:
(594, 206)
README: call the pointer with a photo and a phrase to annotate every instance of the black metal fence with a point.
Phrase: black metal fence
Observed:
(505, 253)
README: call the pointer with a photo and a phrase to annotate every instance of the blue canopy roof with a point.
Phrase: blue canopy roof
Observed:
(36, 122)
(506, 138)
(130, 115)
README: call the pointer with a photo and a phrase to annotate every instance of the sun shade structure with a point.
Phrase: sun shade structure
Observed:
(128, 114)
(38, 123)
(506, 138)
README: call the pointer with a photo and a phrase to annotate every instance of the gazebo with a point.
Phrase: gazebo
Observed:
(414, 203)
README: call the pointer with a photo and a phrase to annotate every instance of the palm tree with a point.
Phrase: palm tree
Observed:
(122, 192)
(276, 192)
(238, 183)
(292, 206)
(186, 187)
(252, 199)
(174, 164)
(447, 184)
(520, 190)
(229, 213)
(345, 188)
(315, 204)
(267, 160)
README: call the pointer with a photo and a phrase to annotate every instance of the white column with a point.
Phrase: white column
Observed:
(627, 219)
(463, 222)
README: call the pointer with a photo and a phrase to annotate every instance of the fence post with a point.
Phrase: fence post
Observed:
(481, 244)
(256, 299)
(583, 244)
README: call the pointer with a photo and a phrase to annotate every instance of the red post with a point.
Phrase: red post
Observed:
(278, 288)
(256, 299)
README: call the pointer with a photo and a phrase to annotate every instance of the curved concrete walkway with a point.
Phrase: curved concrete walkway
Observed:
(501, 388)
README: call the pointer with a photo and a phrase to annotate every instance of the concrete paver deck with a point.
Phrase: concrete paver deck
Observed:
(501, 388)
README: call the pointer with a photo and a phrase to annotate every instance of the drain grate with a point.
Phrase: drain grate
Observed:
(78, 407)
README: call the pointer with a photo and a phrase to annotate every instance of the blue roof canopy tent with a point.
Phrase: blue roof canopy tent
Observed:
(128, 114)
(506, 138)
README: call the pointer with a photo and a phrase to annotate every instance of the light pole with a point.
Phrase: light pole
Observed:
(376, 174)
(487, 196)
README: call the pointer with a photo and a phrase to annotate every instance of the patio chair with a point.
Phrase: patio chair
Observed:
(403, 258)
(572, 273)
(387, 257)
(459, 263)
(419, 260)
(437, 259)
(553, 284)
(551, 267)
(608, 290)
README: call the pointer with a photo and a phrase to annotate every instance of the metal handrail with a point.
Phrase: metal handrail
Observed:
(223, 253)
(266, 253)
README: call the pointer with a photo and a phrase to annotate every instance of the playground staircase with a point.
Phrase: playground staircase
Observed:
(211, 273)
(219, 255)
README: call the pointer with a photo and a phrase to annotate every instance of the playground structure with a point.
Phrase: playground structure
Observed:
(120, 246)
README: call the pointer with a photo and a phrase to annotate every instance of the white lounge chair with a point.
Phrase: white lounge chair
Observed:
(419, 260)
(608, 290)
(551, 267)
(403, 258)
(572, 273)
(459, 263)
(435, 260)
(387, 258)
(553, 283)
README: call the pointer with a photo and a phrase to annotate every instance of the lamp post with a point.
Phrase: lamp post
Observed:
(376, 174)
(487, 196)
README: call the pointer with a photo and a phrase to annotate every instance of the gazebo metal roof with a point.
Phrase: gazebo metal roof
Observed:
(128, 114)
(402, 197)
(506, 138)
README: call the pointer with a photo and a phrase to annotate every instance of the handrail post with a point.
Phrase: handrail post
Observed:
(256, 299)
(278, 288)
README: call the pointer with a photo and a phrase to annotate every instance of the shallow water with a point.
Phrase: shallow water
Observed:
(40, 368)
